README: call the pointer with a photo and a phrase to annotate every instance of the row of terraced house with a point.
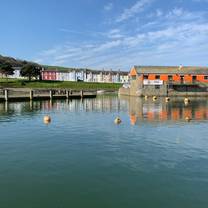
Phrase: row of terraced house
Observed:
(86, 75)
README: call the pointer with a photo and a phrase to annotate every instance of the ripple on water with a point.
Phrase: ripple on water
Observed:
(153, 159)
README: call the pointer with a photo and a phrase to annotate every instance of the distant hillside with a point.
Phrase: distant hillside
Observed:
(19, 63)
(14, 62)
(61, 68)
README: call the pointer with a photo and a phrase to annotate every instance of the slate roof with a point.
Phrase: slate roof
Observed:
(171, 70)
(88, 71)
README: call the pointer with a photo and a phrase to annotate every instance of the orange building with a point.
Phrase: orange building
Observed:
(167, 81)
(177, 74)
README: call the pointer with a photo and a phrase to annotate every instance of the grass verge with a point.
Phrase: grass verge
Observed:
(17, 83)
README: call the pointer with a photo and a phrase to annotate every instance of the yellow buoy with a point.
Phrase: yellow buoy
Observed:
(46, 119)
(167, 99)
(186, 100)
(187, 118)
(186, 103)
(145, 97)
(117, 120)
(154, 98)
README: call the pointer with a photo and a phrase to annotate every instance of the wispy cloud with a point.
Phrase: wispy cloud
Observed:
(108, 7)
(114, 34)
(181, 37)
(159, 13)
(138, 7)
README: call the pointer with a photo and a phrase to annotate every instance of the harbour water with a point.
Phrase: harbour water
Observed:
(153, 159)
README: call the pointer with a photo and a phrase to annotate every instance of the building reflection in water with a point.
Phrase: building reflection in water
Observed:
(141, 110)
(138, 109)
(100, 104)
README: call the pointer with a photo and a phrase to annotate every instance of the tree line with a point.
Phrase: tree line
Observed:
(28, 69)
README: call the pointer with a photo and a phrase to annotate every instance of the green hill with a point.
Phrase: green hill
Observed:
(12, 61)
(19, 63)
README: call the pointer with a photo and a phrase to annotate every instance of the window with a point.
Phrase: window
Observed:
(170, 77)
(145, 76)
(206, 77)
(182, 79)
(157, 77)
(194, 78)
(133, 77)
(157, 87)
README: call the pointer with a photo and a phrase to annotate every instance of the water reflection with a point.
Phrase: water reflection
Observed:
(141, 110)
(138, 109)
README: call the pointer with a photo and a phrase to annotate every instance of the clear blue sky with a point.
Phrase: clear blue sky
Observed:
(105, 34)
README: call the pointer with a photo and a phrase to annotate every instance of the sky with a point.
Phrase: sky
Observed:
(105, 34)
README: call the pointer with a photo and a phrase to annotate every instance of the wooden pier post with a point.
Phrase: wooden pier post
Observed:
(31, 94)
(6, 94)
(81, 93)
(67, 94)
(51, 94)
(6, 105)
(31, 105)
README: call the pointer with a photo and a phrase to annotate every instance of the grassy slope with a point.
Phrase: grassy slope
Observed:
(58, 84)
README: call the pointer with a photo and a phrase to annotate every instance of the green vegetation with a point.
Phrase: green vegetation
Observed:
(12, 61)
(58, 84)
(28, 69)
(31, 71)
(6, 69)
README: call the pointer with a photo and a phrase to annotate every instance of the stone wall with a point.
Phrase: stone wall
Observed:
(151, 90)
(138, 89)
(124, 91)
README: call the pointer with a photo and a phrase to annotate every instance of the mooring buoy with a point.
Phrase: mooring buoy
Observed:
(47, 119)
(117, 120)
(154, 98)
(186, 100)
(167, 99)
(187, 118)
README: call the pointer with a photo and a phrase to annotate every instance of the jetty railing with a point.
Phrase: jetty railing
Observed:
(32, 94)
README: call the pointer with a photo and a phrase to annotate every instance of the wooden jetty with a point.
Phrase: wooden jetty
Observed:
(38, 94)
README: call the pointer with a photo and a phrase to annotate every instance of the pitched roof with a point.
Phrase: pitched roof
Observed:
(86, 70)
(171, 70)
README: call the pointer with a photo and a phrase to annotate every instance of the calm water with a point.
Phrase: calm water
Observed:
(83, 160)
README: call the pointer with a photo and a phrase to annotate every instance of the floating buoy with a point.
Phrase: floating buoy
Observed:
(145, 97)
(167, 99)
(117, 120)
(154, 98)
(187, 118)
(47, 119)
(186, 103)
(186, 100)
